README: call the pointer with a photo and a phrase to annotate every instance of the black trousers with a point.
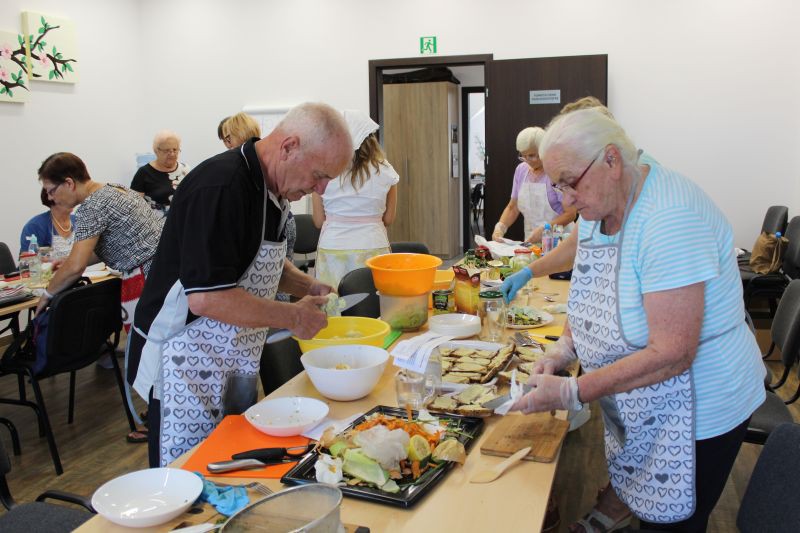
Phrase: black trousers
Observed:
(714, 460)
(153, 431)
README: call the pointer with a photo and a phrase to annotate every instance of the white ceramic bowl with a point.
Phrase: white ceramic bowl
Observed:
(460, 326)
(285, 417)
(366, 367)
(147, 497)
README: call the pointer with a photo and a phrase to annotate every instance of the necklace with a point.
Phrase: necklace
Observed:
(68, 229)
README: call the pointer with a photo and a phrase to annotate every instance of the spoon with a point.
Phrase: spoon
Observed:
(490, 474)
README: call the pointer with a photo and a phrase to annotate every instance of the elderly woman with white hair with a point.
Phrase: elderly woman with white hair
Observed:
(159, 178)
(656, 319)
(532, 193)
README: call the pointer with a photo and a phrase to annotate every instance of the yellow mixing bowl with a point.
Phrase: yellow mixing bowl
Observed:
(347, 330)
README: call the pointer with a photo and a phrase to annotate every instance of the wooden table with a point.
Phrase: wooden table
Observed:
(515, 502)
(31, 303)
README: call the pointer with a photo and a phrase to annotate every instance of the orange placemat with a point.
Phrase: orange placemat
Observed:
(234, 435)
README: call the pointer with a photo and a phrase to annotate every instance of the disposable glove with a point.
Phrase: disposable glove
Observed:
(548, 393)
(514, 283)
(499, 231)
(557, 356)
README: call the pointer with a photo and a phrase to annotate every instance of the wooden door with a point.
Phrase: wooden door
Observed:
(417, 139)
(508, 110)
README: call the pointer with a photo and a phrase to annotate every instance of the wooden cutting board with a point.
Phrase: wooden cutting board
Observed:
(543, 432)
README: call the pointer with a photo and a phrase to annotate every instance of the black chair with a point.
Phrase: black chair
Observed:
(476, 201)
(39, 516)
(409, 248)
(7, 265)
(771, 501)
(771, 286)
(280, 362)
(306, 241)
(786, 336)
(775, 220)
(81, 322)
(360, 280)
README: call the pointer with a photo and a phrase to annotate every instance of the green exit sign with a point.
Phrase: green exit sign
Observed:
(427, 45)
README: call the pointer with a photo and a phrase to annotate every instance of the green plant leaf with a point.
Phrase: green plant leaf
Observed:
(54, 50)
(58, 55)
(67, 67)
(41, 19)
(14, 77)
(9, 92)
(21, 39)
(41, 30)
(50, 76)
(2, 90)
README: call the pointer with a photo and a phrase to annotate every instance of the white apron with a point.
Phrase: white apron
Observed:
(532, 202)
(197, 360)
(649, 431)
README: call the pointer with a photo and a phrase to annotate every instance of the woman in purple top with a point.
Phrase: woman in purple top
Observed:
(532, 193)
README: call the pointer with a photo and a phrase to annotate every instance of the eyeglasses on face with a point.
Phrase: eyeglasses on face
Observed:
(227, 139)
(169, 150)
(529, 157)
(52, 189)
(570, 187)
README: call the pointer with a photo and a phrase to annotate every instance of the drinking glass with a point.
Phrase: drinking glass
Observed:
(413, 389)
(494, 320)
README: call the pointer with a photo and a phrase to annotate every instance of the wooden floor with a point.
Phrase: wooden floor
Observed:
(93, 449)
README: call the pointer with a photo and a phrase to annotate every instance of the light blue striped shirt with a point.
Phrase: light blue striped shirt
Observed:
(675, 236)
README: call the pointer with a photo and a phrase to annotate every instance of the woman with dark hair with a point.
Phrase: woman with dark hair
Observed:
(52, 228)
(356, 207)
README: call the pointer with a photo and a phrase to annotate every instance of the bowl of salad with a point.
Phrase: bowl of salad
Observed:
(347, 372)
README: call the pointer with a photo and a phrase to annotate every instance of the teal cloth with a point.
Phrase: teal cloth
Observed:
(390, 338)
(226, 500)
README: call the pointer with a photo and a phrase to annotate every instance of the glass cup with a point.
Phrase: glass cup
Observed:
(413, 389)
(493, 317)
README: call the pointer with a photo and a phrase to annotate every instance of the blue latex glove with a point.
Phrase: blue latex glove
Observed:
(226, 500)
(515, 282)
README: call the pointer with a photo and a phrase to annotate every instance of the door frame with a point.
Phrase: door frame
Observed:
(466, 196)
(376, 67)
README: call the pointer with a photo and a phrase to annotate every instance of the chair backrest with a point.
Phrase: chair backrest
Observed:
(360, 280)
(785, 330)
(791, 256)
(280, 362)
(775, 219)
(81, 320)
(307, 235)
(409, 248)
(476, 195)
(771, 501)
(7, 263)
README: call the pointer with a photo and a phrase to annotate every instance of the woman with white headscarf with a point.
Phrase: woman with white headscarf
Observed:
(356, 207)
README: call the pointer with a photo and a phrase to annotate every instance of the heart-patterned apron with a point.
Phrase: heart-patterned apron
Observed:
(197, 360)
(649, 431)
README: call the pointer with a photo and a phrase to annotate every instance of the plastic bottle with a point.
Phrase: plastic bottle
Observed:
(34, 261)
(557, 232)
(547, 239)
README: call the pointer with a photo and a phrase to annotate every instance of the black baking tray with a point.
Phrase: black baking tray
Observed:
(304, 472)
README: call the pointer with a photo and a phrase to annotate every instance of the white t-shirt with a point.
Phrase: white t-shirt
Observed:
(342, 200)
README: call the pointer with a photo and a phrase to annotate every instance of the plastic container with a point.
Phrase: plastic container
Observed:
(492, 312)
(404, 274)
(404, 313)
(347, 330)
(521, 259)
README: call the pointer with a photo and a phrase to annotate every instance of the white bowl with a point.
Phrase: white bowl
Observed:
(459, 325)
(366, 367)
(147, 497)
(285, 417)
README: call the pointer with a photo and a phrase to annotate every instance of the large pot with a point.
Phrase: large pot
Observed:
(306, 508)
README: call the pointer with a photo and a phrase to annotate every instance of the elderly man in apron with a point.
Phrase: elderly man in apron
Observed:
(209, 300)
(532, 193)
(658, 329)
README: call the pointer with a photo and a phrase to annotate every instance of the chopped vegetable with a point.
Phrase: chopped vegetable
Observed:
(450, 450)
(328, 469)
(386, 446)
(359, 465)
(418, 448)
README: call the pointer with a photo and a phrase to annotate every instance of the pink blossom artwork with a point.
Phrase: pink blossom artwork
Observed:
(13, 68)
(50, 47)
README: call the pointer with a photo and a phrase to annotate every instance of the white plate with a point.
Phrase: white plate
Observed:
(147, 497)
(95, 274)
(285, 417)
(546, 318)
(457, 325)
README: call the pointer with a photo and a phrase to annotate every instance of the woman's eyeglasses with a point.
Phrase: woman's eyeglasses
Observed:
(526, 158)
(169, 150)
(52, 189)
(570, 187)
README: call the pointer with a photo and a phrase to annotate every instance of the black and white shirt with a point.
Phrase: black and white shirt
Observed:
(128, 228)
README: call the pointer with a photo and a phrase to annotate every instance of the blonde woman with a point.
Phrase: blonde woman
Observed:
(356, 207)
(238, 129)
(159, 178)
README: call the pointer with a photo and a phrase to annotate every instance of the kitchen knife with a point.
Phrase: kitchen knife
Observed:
(548, 337)
(349, 301)
(273, 454)
(244, 464)
(500, 400)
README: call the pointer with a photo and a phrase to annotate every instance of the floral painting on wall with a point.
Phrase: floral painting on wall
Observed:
(51, 47)
(13, 68)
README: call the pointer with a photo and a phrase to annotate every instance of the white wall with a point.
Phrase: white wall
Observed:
(706, 87)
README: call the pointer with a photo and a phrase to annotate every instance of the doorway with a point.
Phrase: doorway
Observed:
(473, 154)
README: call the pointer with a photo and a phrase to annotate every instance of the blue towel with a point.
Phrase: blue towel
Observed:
(226, 500)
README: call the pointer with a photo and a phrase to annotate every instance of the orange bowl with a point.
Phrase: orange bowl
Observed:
(403, 274)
